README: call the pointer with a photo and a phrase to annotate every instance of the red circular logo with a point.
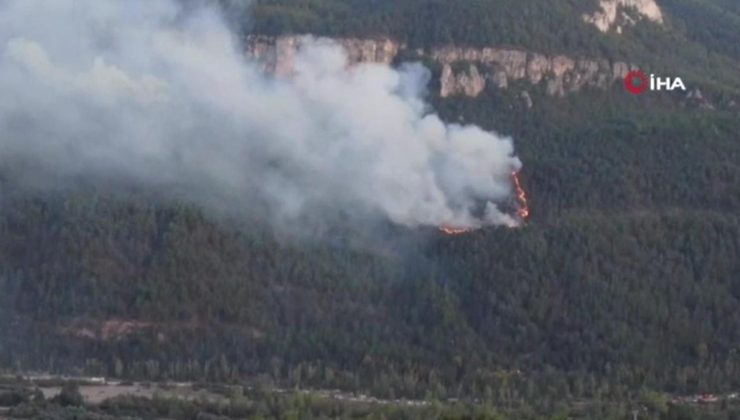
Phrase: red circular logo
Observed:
(636, 82)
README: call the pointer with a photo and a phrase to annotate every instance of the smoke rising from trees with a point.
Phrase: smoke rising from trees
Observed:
(143, 92)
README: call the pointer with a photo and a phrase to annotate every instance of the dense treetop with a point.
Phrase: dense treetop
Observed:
(625, 279)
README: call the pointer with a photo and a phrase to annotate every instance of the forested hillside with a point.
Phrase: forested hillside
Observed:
(536, 25)
(626, 272)
(624, 280)
(697, 41)
(430, 23)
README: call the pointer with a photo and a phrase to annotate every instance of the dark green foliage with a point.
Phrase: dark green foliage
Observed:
(626, 278)
(13, 397)
(423, 23)
(698, 42)
(714, 23)
(69, 396)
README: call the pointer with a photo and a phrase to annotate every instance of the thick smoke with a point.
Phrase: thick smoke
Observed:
(142, 92)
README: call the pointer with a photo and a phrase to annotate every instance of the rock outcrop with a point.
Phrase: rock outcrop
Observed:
(277, 54)
(610, 11)
(469, 82)
(696, 97)
(560, 74)
(464, 71)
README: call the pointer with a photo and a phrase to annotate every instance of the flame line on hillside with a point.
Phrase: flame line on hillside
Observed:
(449, 230)
(522, 211)
(521, 197)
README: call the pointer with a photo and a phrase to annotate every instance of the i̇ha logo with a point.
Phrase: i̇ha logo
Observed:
(637, 82)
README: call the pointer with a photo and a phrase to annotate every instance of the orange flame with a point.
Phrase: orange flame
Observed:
(521, 196)
(522, 211)
(449, 230)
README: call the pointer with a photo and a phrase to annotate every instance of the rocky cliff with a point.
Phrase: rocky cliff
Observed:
(465, 71)
(614, 13)
(559, 73)
(277, 54)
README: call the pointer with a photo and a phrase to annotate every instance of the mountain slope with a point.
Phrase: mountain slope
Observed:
(697, 40)
(625, 278)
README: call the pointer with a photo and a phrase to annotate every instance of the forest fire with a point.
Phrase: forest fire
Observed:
(522, 211)
(521, 197)
(448, 230)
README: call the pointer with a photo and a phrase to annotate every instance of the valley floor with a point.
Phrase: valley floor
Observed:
(47, 396)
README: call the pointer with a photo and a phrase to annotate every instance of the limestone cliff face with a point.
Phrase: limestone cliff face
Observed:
(277, 53)
(468, 83)
(465, 71)
(560, 74)
(612, 13)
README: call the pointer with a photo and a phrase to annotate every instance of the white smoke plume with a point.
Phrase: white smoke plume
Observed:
(140, 91)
